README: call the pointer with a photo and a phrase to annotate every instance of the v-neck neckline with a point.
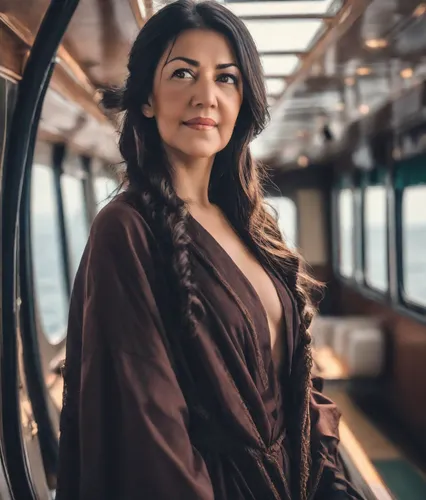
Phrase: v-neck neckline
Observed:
(256, 295)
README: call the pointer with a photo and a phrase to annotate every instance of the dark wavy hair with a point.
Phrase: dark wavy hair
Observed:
(236, 179)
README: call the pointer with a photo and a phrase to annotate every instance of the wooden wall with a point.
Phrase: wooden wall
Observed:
(406, 391)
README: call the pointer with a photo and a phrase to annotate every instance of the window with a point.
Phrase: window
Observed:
(375, 242)
(346, 233)
(287, 218)
(414, 243)
(76, 223)
(49, 278)
(104, 190)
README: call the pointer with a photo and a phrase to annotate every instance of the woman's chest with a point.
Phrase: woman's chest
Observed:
(253, 312)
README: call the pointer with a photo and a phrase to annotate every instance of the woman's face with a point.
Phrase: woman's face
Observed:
(197, 95)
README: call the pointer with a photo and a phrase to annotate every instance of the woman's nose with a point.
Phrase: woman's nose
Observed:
(205, 93)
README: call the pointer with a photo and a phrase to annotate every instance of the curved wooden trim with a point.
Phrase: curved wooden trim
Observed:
(8, 74)
(68, 79)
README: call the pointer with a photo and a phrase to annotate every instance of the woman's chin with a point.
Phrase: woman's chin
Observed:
(195, 151)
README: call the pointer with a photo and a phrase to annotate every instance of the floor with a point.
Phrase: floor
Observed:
(404, 480)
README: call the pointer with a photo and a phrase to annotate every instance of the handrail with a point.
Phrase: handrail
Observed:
(30, 94)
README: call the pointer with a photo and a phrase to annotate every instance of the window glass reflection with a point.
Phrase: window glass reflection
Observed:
(414, 243)
(375, 237)
(49, 280)
(105, 188)
(75, 218)
(346, 232)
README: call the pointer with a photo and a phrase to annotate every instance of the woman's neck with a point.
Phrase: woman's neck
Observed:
(191, 181)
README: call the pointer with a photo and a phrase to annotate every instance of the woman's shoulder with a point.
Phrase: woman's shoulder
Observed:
(120, 221)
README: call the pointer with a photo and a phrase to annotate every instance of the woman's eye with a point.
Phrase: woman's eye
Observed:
(228, 78)
(182, 73)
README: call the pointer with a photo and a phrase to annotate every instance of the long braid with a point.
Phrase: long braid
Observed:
(174, 218)
(169, 217)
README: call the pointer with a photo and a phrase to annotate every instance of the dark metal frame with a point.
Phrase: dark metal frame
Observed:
(402, 295)
(58, 156)
(9, 94)
(31, 350)
(30, 96)
(88, 189)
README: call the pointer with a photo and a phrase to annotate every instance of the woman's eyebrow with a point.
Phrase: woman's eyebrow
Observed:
(193, 62)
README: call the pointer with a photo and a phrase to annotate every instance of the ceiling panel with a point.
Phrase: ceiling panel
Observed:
(274, 86)
(283, 35)
(277, 8)
(279, 65)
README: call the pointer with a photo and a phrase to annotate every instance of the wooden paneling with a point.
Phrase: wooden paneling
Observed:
(29, 14)
(12, 52)
(70, 112)
(100, 36)
(407, 376)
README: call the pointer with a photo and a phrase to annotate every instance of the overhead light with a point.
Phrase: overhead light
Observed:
(349, 81)
(283, 35)
(420, 10)
(364, 109)
(406, 73)
(376, 43)
(303, 161)
(363, 71)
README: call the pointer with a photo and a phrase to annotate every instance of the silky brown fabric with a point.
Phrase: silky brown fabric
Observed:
(151, 412)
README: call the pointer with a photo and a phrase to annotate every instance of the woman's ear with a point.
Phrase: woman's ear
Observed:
(148, 109)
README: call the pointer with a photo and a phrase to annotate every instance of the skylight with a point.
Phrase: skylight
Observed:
(283, 35)
(277, 8)
(279, 65)
(274, 86)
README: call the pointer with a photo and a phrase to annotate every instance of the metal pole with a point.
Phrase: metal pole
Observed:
(30, 92)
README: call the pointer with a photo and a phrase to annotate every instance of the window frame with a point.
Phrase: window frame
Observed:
(345, 182)
(404, 299)
(62, 262)
(365, 184)
(82, 181)
(55, 158)
(394, 297)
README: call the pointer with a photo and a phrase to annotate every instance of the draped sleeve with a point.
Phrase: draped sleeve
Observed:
(325, 418)
(132, 416)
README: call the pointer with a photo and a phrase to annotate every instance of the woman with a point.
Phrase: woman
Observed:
(188, 357)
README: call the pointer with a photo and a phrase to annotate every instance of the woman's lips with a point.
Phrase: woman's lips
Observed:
(201, 123)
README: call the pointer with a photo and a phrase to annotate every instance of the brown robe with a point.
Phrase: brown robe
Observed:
(131, 429)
